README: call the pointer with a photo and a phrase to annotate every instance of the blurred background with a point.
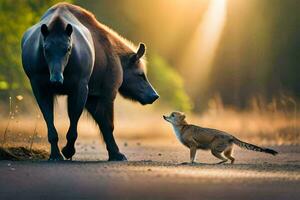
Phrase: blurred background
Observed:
(229, 64)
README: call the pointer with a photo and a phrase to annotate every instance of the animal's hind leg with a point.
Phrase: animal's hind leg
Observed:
(45, 101)
(217, 147)
(102, 111)
(219, 155)
(228, 154)
(76, 103)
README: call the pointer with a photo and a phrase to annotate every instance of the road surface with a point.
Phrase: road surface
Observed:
(154, 172)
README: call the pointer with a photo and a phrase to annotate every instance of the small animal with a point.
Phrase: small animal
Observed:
(220, 143)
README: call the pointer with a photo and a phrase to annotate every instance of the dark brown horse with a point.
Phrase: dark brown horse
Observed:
(70, 53)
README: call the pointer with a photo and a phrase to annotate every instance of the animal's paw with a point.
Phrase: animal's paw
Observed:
(184, 163)
(222, 162)
(55, 157)
(117, 157)
(68, 151)
(188, 163)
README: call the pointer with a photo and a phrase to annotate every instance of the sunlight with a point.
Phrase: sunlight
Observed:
(197, 59)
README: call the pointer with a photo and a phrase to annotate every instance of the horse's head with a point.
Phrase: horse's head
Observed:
(57, 48)
(135, 84)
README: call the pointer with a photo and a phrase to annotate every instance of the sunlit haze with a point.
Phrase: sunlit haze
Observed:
(200, 52)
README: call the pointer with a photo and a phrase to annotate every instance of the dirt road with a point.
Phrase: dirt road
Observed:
(154, 172)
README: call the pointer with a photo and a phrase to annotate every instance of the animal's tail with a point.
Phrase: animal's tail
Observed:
(252, 147)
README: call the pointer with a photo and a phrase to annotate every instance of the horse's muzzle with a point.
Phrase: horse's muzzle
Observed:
(57, 79)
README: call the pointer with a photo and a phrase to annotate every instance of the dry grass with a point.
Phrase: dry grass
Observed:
(22, 153)
(258, 127)
(145, 124)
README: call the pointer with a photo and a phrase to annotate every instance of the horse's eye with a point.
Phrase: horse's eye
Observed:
(142, 75)
(69, 49)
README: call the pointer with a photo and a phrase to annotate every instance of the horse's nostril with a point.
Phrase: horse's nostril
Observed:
(155, 96)
(57, 80)
(151, 98)
(56, 83)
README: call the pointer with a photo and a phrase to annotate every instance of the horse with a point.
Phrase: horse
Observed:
(68, 52)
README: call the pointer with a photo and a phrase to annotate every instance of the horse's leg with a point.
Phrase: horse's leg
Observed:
(103, 112)
(76, 103)
(45, 100)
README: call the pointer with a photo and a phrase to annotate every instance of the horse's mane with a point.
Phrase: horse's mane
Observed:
(121, 45)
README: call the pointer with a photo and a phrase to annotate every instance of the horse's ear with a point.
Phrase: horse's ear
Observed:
(69, 30)
(44, 30)
(141, 51)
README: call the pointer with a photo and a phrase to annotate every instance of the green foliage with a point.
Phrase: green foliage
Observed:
(258, 53)
(257, 60)
(15, 17)
(168, 83)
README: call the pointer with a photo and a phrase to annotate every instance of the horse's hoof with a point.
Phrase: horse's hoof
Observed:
(117, 157)
(56, 158)
(68, 152)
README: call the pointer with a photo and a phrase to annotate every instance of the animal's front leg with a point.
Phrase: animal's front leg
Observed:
(102, 111)
(76, 103)
(193, 151)
(45, 101)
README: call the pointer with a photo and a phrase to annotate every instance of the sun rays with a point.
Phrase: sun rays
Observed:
(197, 58)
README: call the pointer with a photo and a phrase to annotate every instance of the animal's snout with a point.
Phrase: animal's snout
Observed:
(166, 118)
(149, 98)
(57, 79)
(154, 96)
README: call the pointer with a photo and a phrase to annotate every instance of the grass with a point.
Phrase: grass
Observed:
(253, 126)
(145, 125)
(22, 153)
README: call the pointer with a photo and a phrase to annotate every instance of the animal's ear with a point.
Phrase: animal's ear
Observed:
(182, 116)
(141, 51)
(69, 30)
(44, 30)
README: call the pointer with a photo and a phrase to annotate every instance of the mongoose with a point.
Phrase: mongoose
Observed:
(220, 143)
